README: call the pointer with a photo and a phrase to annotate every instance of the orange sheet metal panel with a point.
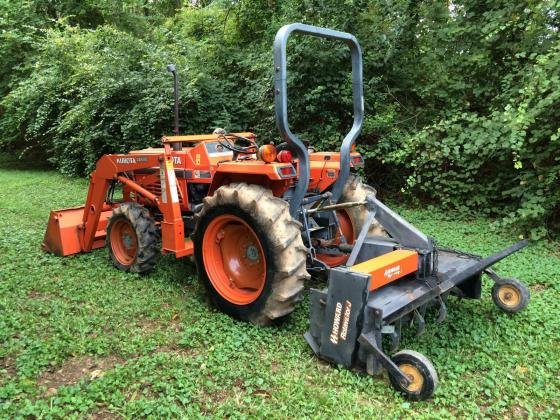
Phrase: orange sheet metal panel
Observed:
(187, 251)
(388, 267)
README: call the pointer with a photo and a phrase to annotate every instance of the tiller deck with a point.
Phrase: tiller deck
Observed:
(392, 281)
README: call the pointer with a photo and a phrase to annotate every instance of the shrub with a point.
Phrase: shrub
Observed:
(461, 99)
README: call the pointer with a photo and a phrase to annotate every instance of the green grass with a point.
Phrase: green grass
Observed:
(119, 344)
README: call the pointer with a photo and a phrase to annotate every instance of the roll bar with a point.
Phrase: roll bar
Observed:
(281, 107)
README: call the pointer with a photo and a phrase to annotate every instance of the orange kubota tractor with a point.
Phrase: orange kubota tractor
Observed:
(261, 219)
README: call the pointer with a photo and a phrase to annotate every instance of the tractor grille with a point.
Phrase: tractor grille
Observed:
(155, 186)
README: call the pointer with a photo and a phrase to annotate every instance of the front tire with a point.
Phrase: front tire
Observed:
(249, 253)
(132, 238)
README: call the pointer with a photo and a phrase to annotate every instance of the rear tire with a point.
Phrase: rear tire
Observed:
(132, 238)
(356, 190)
(352, 219)
(249, 253)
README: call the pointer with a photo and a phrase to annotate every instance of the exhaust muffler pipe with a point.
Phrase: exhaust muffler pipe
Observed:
(171, 69)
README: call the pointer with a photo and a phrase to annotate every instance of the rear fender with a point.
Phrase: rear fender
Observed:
(324, 169)
(269, 175)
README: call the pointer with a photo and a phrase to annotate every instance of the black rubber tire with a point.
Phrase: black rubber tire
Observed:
(522, 293)
(356, 190)
(280, 238)
(424, 367)
(147, 236)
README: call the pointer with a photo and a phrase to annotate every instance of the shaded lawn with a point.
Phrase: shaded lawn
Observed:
(80, 338)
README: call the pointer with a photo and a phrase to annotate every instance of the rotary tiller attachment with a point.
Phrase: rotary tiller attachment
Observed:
(395, 280)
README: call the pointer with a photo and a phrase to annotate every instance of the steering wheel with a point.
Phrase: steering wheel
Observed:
(240, 144)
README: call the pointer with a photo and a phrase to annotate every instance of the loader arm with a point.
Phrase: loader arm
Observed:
(67, 235)
(95, 206)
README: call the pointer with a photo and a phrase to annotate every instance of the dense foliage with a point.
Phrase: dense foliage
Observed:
(462, 98)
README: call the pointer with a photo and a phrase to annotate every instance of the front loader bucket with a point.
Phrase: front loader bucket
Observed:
(62, 236)
(64, 231)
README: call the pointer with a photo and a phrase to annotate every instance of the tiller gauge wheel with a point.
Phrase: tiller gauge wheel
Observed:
(419, 371)
(510, 295)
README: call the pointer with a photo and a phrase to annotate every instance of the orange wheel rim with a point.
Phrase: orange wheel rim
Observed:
(347, 230)
(124, 242)
(234, 259)
(346, 226)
